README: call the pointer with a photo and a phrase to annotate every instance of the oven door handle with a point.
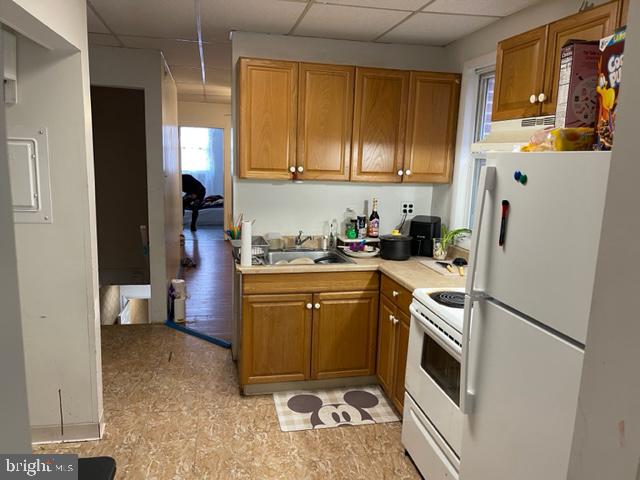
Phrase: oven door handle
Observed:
(486, 184)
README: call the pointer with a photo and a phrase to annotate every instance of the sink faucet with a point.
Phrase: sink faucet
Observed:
(300, 240)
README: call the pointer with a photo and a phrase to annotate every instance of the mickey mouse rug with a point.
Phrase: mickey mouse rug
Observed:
(306, 410)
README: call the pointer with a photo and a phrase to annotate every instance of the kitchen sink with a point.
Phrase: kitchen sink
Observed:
(305, 257)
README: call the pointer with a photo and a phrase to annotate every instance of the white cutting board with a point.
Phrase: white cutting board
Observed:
(440, 269)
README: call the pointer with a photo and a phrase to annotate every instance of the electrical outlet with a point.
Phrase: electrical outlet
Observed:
(407, 207)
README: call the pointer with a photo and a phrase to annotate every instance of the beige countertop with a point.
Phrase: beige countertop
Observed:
(410, 273)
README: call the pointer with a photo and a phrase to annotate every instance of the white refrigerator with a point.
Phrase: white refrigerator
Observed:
(528, 298)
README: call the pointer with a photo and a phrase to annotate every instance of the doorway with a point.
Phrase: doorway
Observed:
(122, 212)
(206, 256)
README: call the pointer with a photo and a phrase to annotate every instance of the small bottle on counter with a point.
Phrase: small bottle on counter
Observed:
(374, 221)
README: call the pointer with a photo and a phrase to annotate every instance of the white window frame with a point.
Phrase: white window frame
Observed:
(462, 186)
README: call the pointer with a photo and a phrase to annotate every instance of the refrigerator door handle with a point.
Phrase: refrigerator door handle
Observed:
(486, 184)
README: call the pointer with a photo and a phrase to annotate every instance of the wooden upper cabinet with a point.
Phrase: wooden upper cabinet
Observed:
(276, 338)
(344, 334)
(623, 12)
(519, 74)
(267, 108)
(325, 118)
(379, 124)
(431, 127)
(592, 24)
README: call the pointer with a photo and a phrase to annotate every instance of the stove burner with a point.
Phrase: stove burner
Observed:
(449, 299)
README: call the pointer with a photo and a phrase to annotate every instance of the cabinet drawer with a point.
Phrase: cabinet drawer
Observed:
(309, 282)
(397, 293)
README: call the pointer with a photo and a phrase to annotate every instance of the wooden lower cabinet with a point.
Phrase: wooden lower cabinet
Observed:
(344, 335)
(393, 343)
(295, 337)
(276, 338)
(400, 367)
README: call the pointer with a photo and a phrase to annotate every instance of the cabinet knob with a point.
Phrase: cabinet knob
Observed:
(292, 169)
(395, 294)
(391, 317)
(533, 99)
(400, 173)
(317, 306)
(395, 321)
(542, 97)
(309, 306)
(300, 169)
(407, 172)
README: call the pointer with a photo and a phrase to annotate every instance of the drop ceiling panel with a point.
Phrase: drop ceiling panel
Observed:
(217, 55)
(186, 74)
(407, 5)
(151, 18)
(500, 8)
(176, 52)
(94, 24)
(214, 90)
(103, 40)
(192, 88)
(436, 29)
(267, 16)
(349, 23)
(218, 77)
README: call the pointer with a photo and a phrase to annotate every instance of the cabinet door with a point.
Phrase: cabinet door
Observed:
(431, 127)
(592, 24)
(624, 12)
(325, 118)
(276, 338)
(400, 364)
(268, 106)
(344, 334)
(379, 123)
(519, 74)
(384, 365)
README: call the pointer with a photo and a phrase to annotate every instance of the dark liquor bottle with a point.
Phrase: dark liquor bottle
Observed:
(374, 221)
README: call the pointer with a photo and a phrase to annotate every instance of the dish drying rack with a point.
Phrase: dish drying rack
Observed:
(259, 249)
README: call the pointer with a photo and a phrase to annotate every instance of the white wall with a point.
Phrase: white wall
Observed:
(137, 68)
(14, 414)
(607, 435)
(57, 262)
(288, 207)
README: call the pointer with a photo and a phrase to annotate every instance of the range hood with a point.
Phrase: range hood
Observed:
(510, 135)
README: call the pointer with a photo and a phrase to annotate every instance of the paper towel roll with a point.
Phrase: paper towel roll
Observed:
(245, 246)
(180, 287)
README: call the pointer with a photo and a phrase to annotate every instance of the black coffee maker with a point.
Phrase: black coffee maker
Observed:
(423, 230)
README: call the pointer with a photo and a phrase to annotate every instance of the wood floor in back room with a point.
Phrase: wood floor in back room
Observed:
(173, 411)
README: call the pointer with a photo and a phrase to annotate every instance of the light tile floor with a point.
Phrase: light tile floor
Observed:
(174, 411)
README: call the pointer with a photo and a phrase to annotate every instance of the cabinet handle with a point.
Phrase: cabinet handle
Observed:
(533, 99)
(542, 97)
(400, 173)
(317, 306)
(407, 172)
(395, 294)
(300, 169)
(292, 169)
(309, 306)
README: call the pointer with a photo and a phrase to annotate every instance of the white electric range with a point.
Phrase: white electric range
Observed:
(432, 423)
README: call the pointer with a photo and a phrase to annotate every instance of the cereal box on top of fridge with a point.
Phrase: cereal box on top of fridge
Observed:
(608, 88)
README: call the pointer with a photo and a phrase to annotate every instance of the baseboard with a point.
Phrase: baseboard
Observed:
(78, 432)
(265, 388)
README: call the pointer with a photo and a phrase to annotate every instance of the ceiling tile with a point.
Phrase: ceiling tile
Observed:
(217, 55)
(435, 29)
(406, 5)
(218, 98)
(152, 18)
(349, 23)
(103, 40)
(480, 7)
(176, 52)
(186, 74)
(219, 17)
(218, 90)
(190, 88)
(94, 24)
(191, 97)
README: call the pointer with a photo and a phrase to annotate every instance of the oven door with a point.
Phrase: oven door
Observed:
(433, 375)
